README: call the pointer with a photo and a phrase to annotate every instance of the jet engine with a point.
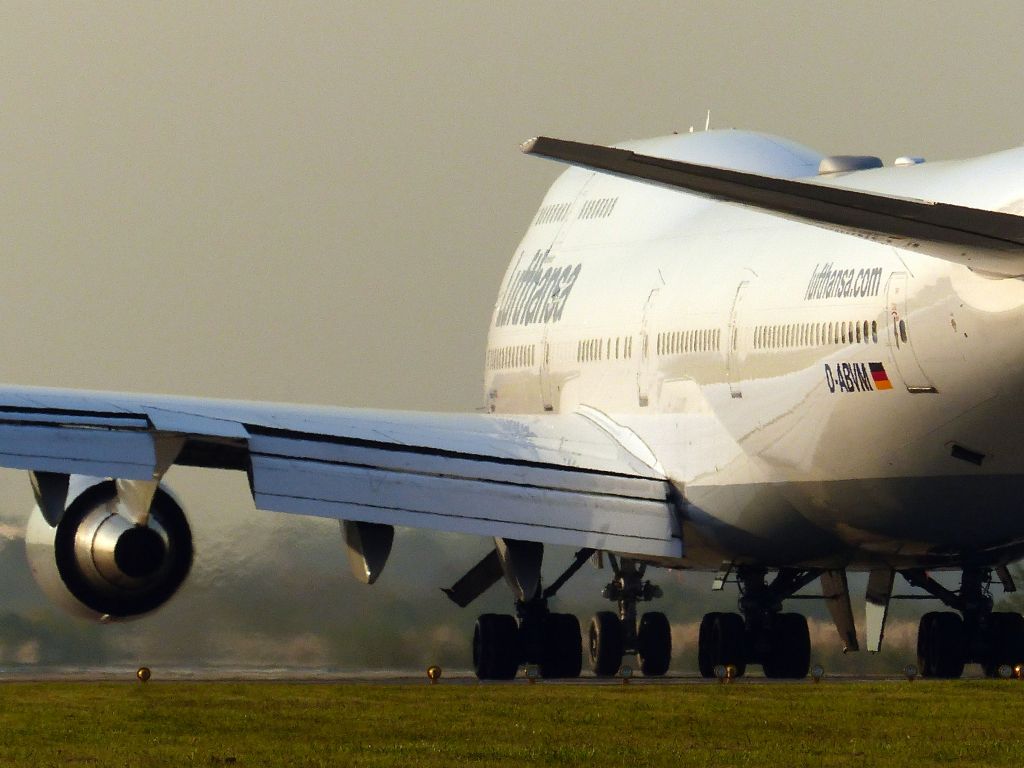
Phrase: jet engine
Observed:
(104, 560)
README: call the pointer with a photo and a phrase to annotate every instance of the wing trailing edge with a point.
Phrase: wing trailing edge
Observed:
(986, 241)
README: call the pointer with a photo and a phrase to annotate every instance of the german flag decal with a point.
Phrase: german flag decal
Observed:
(879, 376)
(856, 377)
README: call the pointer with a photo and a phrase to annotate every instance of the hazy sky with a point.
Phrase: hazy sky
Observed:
(315, 202)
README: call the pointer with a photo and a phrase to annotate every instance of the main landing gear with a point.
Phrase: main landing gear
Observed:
(760, 633)
(535, 635)
(615, 634)
(552, 641)
(947, 641)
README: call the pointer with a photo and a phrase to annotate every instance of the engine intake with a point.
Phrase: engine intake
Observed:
(97, 562)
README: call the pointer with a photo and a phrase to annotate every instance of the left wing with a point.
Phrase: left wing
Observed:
(559, 479)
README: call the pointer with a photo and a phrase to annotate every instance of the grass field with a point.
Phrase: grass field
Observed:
(966, 723)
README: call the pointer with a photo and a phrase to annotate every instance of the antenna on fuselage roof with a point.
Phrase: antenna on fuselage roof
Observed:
(707, 122)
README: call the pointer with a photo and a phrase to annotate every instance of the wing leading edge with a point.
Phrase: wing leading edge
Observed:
(989, 241)
(556, 479)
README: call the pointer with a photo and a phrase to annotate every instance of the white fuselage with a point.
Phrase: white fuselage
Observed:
(816, 398)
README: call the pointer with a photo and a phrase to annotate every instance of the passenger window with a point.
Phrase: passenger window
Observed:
(858, 333)
(874, 331)
(903, 330)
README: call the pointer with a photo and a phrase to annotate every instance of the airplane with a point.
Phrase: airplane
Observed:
(718, 351)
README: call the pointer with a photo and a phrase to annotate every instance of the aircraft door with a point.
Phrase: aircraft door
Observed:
(734, 353)
(549, 342)
(544, 352)
(645, 371)
(900, 337)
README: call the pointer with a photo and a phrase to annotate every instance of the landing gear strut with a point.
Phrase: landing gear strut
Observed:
(947, 641)
(760, 633)
(612, 635)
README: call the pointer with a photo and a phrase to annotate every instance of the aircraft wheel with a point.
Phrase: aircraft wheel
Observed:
(495, 647)
(941, 645)
(654, 641)
(606, 644)
(1006, 641)
(707, 668)
(722, 642)
(789, 654)
(563, 647)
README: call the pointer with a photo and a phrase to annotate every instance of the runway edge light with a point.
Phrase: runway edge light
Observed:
(433, 673)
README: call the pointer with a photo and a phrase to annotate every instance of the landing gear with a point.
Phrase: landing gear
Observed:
(612, 635)
(947, 641)
(534, 635)
(763, 634)
(551, 640)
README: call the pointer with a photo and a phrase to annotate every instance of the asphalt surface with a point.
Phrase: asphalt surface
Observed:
(402, 677)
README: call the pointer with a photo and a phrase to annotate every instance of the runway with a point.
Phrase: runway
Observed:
(455, 677)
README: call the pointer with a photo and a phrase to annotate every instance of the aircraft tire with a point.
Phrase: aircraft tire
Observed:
(941, 645)
(563, 647)
(654, 641)
(1006, 642)
(606, 644)
(704, 664)
(789, 655)
(495, 647)
(722, 642)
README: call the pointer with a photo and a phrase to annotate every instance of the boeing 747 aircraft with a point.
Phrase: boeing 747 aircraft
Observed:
(717, 351)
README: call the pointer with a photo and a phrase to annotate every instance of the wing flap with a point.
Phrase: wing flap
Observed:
(98, 452)
(466, 505)
(989, 241)
(479, 494)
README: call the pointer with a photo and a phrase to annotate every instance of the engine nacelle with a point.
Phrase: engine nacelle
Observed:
(98, 563)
